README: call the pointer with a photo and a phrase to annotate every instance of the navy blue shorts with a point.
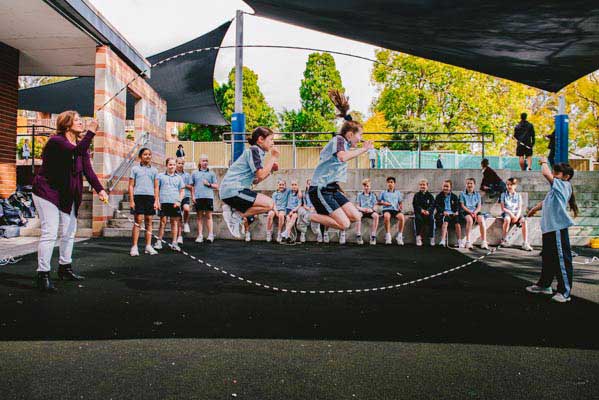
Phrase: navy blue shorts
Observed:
(169, 210)
(204, 205)
(451, 219)
(144, 205)
(392, 212)
(243, 201)
(186, 200)
(326, 200)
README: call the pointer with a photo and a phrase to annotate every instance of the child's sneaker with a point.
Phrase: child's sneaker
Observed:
(180, 240)
(248, 236)
(432, 242)
(387, 238)
(232, 219)
(200, 239)
(342, 237)
(535, 289)
(150, 250)
(158, 245)
(418, 241)
(443, 243)
(359, 239)
(504, 243)
(484, 245)
(319, 237)
(268, 236)
(279, 238)
(186, 228)
(468, 245)
(134, 251)
(373, 240)
(303, 237)
(526, 246)
(399, 239)
(211, 238)
(325, 237)
(560, 298)
(175, 247)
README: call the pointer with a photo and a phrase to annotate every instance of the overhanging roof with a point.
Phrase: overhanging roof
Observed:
(545, 44)
(186, 83)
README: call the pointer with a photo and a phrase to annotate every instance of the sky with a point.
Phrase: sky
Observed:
(152, 26)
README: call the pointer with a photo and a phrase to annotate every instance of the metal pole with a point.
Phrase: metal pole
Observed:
(238, 117)
(33, 149)
(483, 143)
(419, 152)
(294, 152)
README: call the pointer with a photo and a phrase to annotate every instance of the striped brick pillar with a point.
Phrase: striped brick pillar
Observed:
(9, 91)
(111, 144)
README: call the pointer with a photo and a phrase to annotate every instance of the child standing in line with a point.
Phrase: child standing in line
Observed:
(280, 198)
(424, 213)
(141, 200)
(391, 200)
(557, 254)
(447, 207)
(168, 194)
(303, 213)
(294, 202)
(365, 203)
(186, 202)
(204, 184)
(511, 207)
(250, 168)
(471, 205)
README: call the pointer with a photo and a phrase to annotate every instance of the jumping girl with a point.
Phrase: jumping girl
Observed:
(250, 168)
(557, 254)
(141, 200)
(333, 210)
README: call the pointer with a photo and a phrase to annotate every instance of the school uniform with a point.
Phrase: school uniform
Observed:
(325, 193)
(557, 254)
(424, 201)
(471, 201)
(449, 203)
(367, 201)
(143, 189)
(169, 188)
(186, 177)
(293, 201)
(395, 198)
(280, 198)
(235, 187)
(513, 203)
(204, 195)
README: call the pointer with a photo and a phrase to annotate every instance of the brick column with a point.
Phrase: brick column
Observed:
(9, 91)
(111, 145)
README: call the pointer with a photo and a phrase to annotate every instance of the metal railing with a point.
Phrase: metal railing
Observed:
(129, 159)
(418, 138)
(33, 132)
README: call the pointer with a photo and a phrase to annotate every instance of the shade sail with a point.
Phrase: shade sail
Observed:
(186, 83)
(546, 44)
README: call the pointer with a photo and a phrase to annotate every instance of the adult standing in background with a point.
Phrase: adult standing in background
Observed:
(180, 151)
(372, 156)
(551, 156)
(524, 133)
(57, 193)
(439, 162)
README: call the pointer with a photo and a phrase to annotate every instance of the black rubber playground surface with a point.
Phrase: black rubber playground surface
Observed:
(478, 314)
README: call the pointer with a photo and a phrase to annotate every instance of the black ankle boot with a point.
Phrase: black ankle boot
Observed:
(66, 272)
(44, 283)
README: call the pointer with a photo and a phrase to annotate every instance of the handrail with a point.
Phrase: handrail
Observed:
(124, 166)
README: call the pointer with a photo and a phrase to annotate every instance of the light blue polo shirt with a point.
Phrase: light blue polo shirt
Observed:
(293, 200)
(307, 201)
(280, 199)
(393, 197)
(241, 173)
(200, 190)
(187, 181)
(366, 200)
(329, 169)
(144, 177)
(511, 202)
(470, 200)
(169, 185)
(555, 207)
(447, 203)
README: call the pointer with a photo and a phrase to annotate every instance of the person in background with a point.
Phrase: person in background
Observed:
(391, 200)
(447, 206)
(25, 150)
(424, 213)
(551, 156)
(439, 162)
(524, 133)
(280, 198)
(372, 156)
(141, 200)
(186, 202)
(180, 151)
(471, 205)
(168, 193)
(365, 203)
(491, 184)
(512, 207)
(204, 184)
(294, 202)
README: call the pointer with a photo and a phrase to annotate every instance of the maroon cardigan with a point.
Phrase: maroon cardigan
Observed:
(60, 178)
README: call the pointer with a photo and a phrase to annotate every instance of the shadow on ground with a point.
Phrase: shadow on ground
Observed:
(170, 296)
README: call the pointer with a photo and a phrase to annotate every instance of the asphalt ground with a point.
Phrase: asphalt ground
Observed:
(168, 327)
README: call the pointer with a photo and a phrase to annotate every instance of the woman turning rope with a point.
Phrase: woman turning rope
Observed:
(57, 193)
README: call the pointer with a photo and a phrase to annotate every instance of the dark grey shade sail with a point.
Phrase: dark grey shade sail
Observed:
(186, 83)
(545, 44)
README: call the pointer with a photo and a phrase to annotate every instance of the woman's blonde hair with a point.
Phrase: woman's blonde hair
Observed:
(65, 121)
